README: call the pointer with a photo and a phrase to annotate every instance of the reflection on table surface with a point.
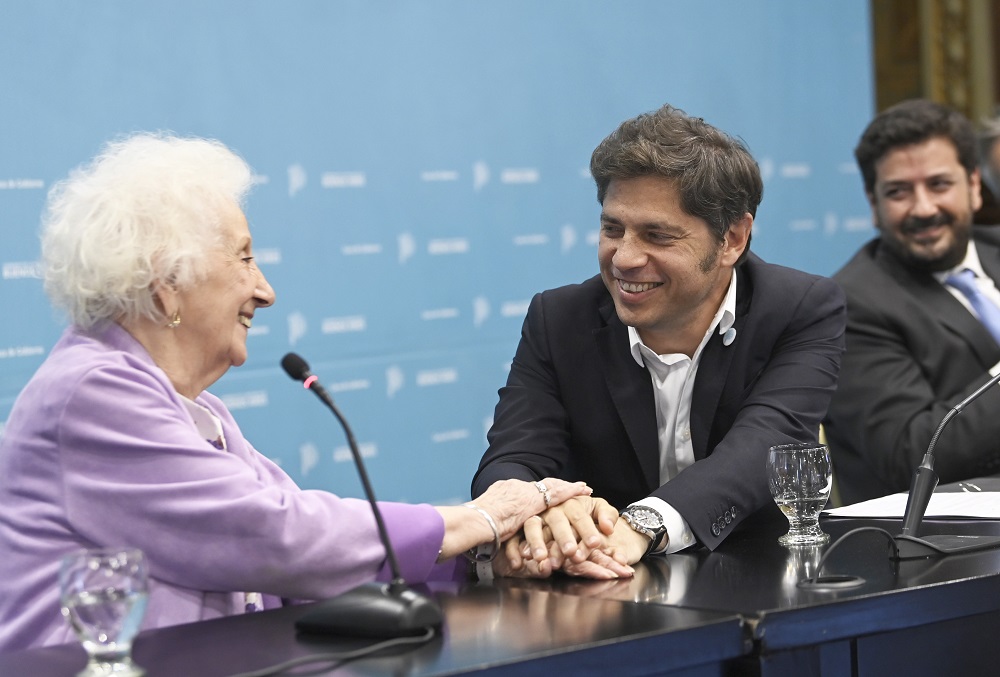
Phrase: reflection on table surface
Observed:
(751, 572)
(504, 625)
(691, 608)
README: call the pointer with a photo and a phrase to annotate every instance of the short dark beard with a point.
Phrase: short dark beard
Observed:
(946, 261)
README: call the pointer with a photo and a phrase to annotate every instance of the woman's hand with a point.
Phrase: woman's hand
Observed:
(512, 502)
(509, 503)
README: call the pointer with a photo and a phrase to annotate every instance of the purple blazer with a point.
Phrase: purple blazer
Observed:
(100, 451)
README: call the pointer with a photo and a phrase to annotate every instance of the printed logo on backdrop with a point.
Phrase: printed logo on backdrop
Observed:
(438, 175)
(831, 224)
(520, 175)
(343, 454)
(855, 224)
(250, 399)
(19, 270)
(449, 436)
(21, 184)
(343, 180)
(309, 455)
(268, 256)
(514, 308)
(297, 179)
(361, 249)
(343, 325)
(446, 246)
(480, 311)
(21, 351)
(567, 238)
(795, 170)
(394, 381)
(531, 240)
(480, 175)
(308, 458)
(436, 377)
(350, 385)
(766, 168)
(431, 314)
(395, 378)
(850, 224)
(407, 247)
(297, 327)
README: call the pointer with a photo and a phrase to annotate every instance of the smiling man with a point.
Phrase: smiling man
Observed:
(918, 338)
(664, 380)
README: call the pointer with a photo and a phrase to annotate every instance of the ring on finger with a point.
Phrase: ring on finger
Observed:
(540, 486)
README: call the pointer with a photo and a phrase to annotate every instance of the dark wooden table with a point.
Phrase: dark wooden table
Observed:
(489, 629)
(737, 611)
(938, 616)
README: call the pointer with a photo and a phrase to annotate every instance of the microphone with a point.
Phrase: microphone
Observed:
(372, 609)
(924, 481)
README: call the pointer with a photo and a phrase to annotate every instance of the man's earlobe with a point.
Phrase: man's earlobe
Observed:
(739, 235)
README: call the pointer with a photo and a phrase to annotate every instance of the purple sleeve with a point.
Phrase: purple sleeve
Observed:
(135, 471)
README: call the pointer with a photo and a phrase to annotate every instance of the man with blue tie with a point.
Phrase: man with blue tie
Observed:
(923, 328)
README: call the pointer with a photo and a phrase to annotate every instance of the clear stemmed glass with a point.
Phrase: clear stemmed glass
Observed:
(103, 595)
(800, 477)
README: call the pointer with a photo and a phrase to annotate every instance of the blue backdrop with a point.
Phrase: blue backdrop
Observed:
(422, 172)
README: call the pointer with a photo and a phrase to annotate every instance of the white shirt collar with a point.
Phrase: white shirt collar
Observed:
(971, 261)
(208, 424)
(725, 316)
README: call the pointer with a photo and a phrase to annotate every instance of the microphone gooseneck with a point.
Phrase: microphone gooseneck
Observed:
(922, 486)
(370, 611)
(297, 368)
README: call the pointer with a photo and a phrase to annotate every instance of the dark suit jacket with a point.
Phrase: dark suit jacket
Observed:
(913, 352)
(578, 406)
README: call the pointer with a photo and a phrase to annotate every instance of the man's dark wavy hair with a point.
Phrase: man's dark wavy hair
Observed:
(715, 174)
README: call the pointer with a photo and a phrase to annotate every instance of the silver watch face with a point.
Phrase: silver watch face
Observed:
(646, 518)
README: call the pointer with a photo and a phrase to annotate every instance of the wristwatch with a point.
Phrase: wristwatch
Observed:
(647, 522)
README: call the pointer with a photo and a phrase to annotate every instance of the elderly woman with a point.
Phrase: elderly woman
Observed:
(115, 440)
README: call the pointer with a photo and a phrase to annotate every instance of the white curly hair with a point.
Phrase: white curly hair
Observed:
(146, 210)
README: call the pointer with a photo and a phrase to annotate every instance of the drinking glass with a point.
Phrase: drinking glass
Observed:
(800, 477)
(103, 595)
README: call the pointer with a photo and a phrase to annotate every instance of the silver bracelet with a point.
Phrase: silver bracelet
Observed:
(479, 554)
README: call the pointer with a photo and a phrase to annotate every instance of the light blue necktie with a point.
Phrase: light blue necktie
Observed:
(989, 314)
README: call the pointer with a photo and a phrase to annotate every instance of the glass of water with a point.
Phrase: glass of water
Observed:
(800, 477)
(103, 595)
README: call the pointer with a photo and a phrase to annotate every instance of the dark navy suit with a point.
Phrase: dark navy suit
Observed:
(913, 352)
(578, 406)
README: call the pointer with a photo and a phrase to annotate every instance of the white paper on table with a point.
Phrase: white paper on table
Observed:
(955, 505)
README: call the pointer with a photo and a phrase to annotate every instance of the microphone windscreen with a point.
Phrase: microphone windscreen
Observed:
(295, 366)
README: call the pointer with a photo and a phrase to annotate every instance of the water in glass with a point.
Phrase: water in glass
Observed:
(800, 478)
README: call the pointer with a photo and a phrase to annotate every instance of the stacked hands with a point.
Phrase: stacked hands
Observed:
(554, 525)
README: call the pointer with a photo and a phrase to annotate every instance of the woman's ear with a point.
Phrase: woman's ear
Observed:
(166, 298)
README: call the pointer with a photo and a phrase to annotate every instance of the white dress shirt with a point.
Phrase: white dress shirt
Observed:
(673, 377)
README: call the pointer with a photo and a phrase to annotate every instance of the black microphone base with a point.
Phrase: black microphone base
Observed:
(937, 545)
(373, 610)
